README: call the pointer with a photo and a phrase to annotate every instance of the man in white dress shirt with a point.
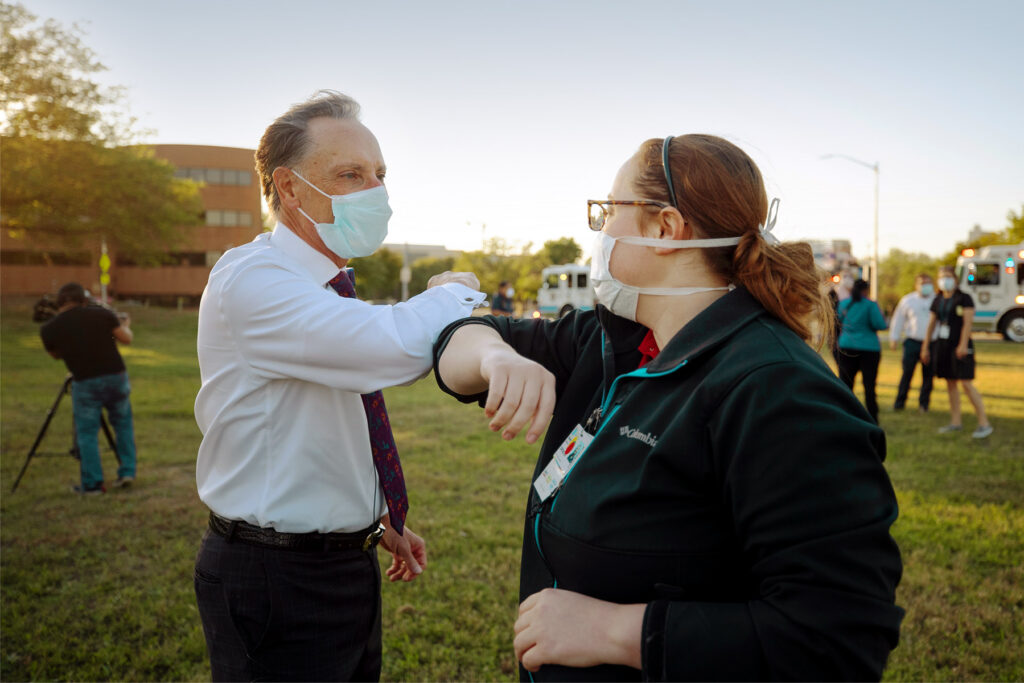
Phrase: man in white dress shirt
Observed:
(911, 318)
(287, 579)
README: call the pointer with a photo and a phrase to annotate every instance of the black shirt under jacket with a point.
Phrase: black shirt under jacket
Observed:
(734, 485)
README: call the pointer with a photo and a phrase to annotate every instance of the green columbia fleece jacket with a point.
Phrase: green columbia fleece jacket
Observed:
(734, 485)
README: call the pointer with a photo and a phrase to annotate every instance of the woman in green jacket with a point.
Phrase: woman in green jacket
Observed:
(709, 501)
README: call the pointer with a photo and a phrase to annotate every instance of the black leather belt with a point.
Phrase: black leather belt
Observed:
(234, 530)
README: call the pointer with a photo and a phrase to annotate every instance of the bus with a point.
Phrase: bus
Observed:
(994, 277)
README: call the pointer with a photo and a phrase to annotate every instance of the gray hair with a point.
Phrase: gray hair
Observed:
(286, 142)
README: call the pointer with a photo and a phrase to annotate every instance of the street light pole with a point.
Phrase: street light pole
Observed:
(874, 246)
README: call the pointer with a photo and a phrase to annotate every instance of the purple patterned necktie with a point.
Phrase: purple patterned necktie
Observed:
(382, 442)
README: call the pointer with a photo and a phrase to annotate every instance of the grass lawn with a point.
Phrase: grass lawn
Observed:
(101, 588)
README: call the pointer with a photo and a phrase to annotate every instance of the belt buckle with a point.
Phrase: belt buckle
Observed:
(373, 537)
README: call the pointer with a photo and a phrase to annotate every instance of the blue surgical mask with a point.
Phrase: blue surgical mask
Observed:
(360, 221)
(927, 289)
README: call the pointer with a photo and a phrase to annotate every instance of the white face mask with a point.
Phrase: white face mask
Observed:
(510, 292)
(947, 284)
(360, 221)
(620, 298)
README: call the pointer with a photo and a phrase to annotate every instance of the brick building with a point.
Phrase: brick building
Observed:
(232, 215)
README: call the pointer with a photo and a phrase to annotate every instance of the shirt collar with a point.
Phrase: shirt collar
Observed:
(712, 326)
(319, 266)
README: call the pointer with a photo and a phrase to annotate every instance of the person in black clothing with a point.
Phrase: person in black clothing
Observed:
(501, 303)
(84, 336)
(952, 351)
(710, 500)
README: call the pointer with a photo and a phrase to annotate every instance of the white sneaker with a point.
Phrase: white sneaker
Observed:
(949, 428)
(982, 432)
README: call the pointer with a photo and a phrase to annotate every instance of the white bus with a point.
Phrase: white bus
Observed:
(564, 289)
(994, 277)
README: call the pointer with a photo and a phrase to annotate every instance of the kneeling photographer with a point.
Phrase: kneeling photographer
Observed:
(83, 335)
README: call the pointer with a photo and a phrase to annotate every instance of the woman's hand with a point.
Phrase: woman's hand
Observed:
(408, 552)
(961, 350)
(562, 627)
(519, 391)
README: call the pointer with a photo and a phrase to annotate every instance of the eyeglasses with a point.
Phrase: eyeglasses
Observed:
(597, 210)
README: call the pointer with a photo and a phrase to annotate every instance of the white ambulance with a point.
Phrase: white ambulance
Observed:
(564, 289)
(994, 277)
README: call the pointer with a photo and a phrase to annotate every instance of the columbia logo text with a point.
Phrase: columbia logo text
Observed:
(646, 437)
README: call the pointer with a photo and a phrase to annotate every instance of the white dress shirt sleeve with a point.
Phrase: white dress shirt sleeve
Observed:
(899, 317)
(286, 326)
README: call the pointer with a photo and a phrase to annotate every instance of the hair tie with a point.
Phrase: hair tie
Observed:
(769, 224)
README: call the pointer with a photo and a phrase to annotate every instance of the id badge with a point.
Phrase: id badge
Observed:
(943, 331)
(565, 458)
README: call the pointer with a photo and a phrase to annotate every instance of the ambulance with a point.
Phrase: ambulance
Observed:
(994, 277)
(563, 289)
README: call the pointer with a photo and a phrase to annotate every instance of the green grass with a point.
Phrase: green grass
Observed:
(101, 588)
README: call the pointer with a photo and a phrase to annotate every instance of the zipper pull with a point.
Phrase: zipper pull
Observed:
(593, 421)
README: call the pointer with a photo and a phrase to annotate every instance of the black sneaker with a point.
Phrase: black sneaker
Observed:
(96, 491)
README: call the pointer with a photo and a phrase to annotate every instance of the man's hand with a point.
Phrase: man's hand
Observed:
(444, 278)
(519, 391)
(892, 344)
(408, 552)
(571, 629)
(925, 355)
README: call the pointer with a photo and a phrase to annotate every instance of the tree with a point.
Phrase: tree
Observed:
(561, 251)
(1015, 230)
(61, 195)
(68, 175)
(897, 273)
(425, 268)
(377, 275)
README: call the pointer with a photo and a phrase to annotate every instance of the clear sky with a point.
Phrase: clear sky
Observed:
(511, 114)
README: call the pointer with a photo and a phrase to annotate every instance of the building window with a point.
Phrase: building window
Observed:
(187, 258)
(11, 257)
(216, 176)
(228, 218)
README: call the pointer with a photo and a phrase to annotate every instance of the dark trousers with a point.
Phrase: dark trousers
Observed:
(285, 615)
(911, 357)
(866, 362)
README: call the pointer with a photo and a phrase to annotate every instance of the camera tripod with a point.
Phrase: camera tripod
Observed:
(73, 452)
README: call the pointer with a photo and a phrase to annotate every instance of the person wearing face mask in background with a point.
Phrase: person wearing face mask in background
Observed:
(911, 318)
(691, 515)
(298, 464)
(950, 350)
(502, 303)
(859, 349)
